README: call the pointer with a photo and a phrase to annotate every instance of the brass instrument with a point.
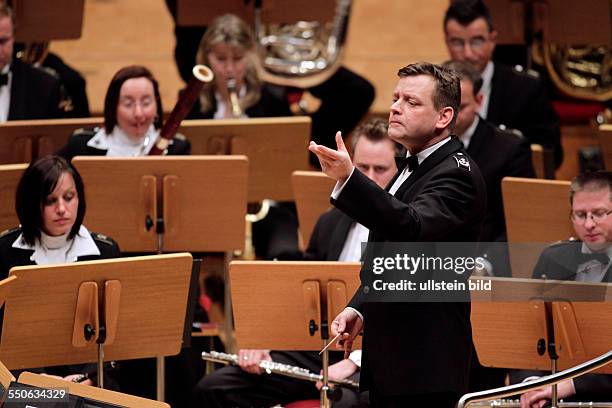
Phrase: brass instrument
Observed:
(504, 403)
(233, 94)
(270, 367)
(583, 72)
(304, 54)
(201, 75)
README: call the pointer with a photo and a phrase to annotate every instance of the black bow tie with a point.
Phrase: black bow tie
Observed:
(411, 161)
(601, 258)
(3, 79)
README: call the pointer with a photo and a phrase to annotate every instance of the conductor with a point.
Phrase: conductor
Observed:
(413, 353)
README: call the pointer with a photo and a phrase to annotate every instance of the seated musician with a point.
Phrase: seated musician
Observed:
(50, 204)
(335, 237)
(584, 260)
(132, 120)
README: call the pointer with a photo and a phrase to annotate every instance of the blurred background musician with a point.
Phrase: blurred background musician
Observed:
(132, 120)
(514, 98)
(227, 48)
(335, 237)
(586, 259)
(26, 92)
(344, 98)
(50, 205)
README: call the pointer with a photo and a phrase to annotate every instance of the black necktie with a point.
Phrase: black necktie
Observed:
(3, 79)
(411, 161)
(601, 258)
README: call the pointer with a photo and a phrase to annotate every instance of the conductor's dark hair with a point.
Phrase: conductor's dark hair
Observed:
(111, 101)
(37, 182)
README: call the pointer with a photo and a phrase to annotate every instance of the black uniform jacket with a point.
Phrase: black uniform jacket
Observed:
(10, 257)
(273, 102)
(498, 154)
(560, 262)
(35, 94)
(328, 236)
(520, 101)
(77, 145)
(416, 348)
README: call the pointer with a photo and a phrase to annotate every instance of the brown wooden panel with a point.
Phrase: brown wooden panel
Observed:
(40, 311)
(94, 393)
(537, 214)
(275, 147)
(605, 141)
(206, 214)
(10, 175)
(311, 190)
(25, 140)
(43, 20)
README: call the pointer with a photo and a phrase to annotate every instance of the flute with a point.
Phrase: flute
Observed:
(271, 367)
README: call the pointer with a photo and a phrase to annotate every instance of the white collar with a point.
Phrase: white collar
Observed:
(423, 154)
(6, 69)
(119, 144)
(487, 77)
(586, 250)
(57, 251)
(466, 137)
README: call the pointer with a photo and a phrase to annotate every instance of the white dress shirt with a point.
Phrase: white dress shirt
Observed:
(5, 94)
(485, 90)
(54, 250)
(119, 144)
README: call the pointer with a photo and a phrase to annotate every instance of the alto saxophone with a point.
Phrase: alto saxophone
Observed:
(271, 367)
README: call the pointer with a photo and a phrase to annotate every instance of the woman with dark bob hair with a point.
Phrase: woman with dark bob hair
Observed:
(50, 204)
(132, 120)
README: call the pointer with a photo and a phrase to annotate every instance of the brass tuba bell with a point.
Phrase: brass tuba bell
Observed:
(303, 54)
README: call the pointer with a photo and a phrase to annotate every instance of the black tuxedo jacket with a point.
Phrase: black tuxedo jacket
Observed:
(520, 101)
(498, 154)
(35, 94)
(77, 145)
(560, 262)
(328, 236)
(416, 348)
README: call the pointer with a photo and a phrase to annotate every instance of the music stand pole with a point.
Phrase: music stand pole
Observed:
(551, 349)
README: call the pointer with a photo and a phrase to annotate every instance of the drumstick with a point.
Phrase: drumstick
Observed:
(332, 341)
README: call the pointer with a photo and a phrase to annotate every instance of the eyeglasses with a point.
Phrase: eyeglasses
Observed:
(458, 44)
(131, 104)
(580, 217)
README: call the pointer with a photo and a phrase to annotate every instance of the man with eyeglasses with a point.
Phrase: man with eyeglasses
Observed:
(586, 260)
(512, 97)
(26, 92)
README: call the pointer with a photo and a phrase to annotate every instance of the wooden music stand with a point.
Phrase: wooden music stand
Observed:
(91, 393)
(23, 141)
(580, 328)
(275, 147)
(310, 295)
(10, 174)
(536, 211)
(201, 201)
(140, 311)
(543, 162)
(311, 190)
(40, 20)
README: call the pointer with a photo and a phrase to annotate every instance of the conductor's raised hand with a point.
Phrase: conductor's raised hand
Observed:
(336, 164)
(349, 324)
